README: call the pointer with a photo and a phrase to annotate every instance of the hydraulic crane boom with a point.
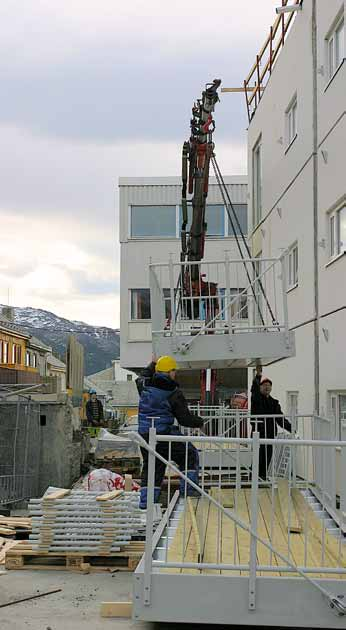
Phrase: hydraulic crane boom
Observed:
(196, 157)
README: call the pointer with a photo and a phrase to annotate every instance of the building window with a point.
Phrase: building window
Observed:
(241, 212)
(140, 304)
(153, 222)
(337, 232)
(27, 358)
(13, 353)
(338, 412)
(292, 267)
(5, 352)
(335, 44)
(291, 122)
(215, 218)
(19, 355)
(34, 360)
(257, 182)
(238, 299)
(292, 404)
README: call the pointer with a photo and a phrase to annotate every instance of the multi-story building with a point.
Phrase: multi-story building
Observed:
(18, 360)
(150, 220)
(297, 194)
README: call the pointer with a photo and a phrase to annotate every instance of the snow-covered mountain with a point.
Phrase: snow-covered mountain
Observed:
(101, 344)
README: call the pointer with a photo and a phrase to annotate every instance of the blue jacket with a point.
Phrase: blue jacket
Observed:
(154, 403)
(161, 397)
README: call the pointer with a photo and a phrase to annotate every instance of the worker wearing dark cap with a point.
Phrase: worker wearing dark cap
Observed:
(262, 403)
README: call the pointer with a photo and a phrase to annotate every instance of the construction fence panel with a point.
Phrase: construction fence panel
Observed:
(19, 450)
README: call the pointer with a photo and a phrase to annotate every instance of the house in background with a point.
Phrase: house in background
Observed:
(19, 363)
(116, 389)
(57, 369)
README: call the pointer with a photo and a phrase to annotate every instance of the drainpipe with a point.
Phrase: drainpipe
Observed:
(315, 209)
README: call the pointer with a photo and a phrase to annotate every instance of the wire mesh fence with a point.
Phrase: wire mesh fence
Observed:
(19, 450)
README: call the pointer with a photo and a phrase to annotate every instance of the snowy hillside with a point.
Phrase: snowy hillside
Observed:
(101, 344)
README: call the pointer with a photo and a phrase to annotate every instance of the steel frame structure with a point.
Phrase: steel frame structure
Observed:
(286, 600)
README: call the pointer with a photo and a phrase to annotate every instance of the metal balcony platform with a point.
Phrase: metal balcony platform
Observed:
(234, 316)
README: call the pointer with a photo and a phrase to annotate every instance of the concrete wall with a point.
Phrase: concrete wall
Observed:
(288, 202)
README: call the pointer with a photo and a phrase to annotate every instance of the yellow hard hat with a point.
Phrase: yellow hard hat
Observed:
(165, 364)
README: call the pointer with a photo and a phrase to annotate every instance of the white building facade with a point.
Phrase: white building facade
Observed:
(297, 202)
(150, 220)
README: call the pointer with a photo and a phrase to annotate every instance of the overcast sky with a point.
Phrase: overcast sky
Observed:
(96, 90)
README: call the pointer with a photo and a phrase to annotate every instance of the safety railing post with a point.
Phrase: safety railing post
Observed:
(342, 475)
(150, 518)
(254, 514)
(228, 306)
(172, 300)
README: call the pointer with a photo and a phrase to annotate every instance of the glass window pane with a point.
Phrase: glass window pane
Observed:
(339, 44)
(331, 57)
(332, 235)
(241, 212)
(342, 229)
(215, 219)
(153, 221)
(140, 304)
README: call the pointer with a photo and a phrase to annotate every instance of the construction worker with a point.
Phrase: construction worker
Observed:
(94, 409)
(161, 402)
(262, 403)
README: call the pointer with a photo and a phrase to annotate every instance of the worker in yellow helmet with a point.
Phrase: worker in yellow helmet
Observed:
(162, 399)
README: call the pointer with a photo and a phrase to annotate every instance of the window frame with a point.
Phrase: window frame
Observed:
(5, 352)
(293, 267)
(334, 59)
(167, 301)
(257, 201)
(289, 395)
(334, 242)
(334, 397)
(226, 231)
(291, 115)
(27, 358)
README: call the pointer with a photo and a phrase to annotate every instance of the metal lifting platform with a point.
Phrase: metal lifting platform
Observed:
(262, 554)
(243, 319)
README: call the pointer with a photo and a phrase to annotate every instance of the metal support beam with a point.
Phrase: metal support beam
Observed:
(254, 514)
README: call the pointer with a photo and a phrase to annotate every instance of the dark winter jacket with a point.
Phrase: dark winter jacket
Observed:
(161, 398)
(90, 415)
(261, 405)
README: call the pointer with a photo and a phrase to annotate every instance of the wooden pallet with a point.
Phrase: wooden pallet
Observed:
(23, 556)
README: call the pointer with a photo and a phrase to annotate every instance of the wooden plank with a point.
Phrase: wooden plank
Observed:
(116, 609)
(128, 483)
(223, 497)
(58, 494)
(108, 496)
(264, 556)
(240, 89)
(288, 510)
(5, 548)
(195, 530)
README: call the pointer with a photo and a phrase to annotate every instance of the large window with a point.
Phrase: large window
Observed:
(292, 267)
(140, 304)
(241, 212)
(153, 221)
(291, 122)
(215, 218)
(335, 44)
(337, 232)
(257, 182)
